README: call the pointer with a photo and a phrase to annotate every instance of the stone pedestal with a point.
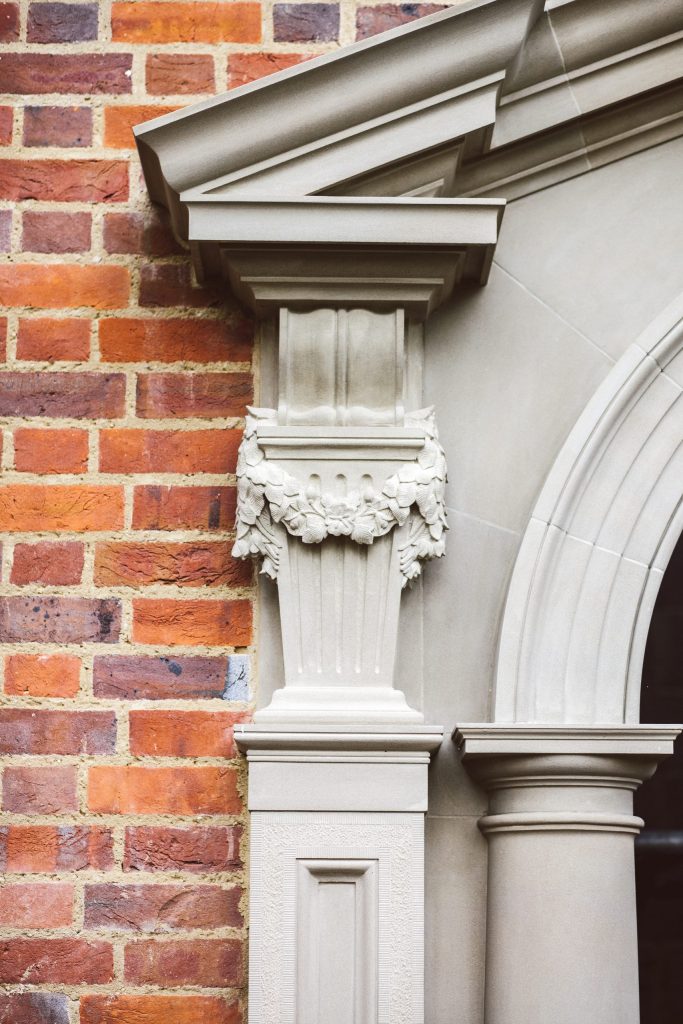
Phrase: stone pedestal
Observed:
(337, 873)
(561, 919)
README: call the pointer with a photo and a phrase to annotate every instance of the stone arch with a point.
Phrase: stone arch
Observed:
(596, 546)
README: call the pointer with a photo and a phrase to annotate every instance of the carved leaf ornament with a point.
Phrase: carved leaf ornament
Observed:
(267, 494)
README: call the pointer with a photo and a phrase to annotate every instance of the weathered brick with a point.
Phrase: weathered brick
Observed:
(135, 677)
(71, 395)
(5, 230)
(119, 122)
(9, 22)
(168, 451)
(131, 564)
(44, 231)
(156, 21)
(370, 20)
(83, 181)
(42, 849)
(172, 284)
(124, 340)
(155, 1009)
(50, 451)
(200, 395)
(160, 908)
(64, 285)
(61, 22)
(134, 789)
(42, 675)
(49, 790)
(3, 338)
(6, 124)
(50, 340)
(190, 508)
(55, 961)
(209, 623)
(52, 563)
(83, 73)
(40, 731)
(57, 126)
(208, 963)
(183, 733)
(36, 905)
(198, 850)
(305, 23)
(247, 67)
(43, 507)
(34, 1008)
(59, 620)
(139, 233)
(172, 74)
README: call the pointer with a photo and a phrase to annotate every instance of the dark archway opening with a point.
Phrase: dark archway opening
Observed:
(659, 850)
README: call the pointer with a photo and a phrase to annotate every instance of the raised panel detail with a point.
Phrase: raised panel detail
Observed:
(337, 908)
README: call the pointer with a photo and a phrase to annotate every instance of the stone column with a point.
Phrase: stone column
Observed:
(561, 918)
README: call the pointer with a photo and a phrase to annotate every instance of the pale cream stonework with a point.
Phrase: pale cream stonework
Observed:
(362, 223)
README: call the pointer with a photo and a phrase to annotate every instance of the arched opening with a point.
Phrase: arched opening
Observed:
(659, 849)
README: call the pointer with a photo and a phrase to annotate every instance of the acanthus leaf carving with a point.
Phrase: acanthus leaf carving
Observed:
(267, 494)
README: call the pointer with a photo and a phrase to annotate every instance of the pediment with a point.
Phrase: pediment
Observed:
(487, 99)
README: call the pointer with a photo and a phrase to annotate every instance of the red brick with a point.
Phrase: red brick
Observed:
(85, 181)
(61, 23)
(183, 733)
(9, 23)
(86, 73)
(50, 340)
(138, 233)
(62, 394)
(36, 905)
(159, 908)
(198, 850)
(57, 126)
(135, 677)
(64, 285)
(43, 231)
(59, 620)
(198, 395)
(41, 849)
(247, 67)
(55, 961)
(124, 340)
(119, 122)
(130, 564)
(134, 789)
(3, 338)
(208, 963)
(154, 21)
(50, 451)
(189, 508)
(169, 74)
(6, 123)
(155, 1009)
(41, 507)
(168, 451)
(172, 284)
(49, 790)
(42, 675)
(209, 623)
(305, 23)
(33, 731)
(370, 20)
(34, 1008)
(53, 563)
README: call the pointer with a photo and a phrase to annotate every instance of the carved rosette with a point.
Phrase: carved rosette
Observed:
(413, 494)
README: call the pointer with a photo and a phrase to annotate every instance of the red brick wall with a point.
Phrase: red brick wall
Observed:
(126, 627)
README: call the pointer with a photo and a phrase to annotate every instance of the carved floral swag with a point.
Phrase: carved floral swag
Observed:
(267, 494)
